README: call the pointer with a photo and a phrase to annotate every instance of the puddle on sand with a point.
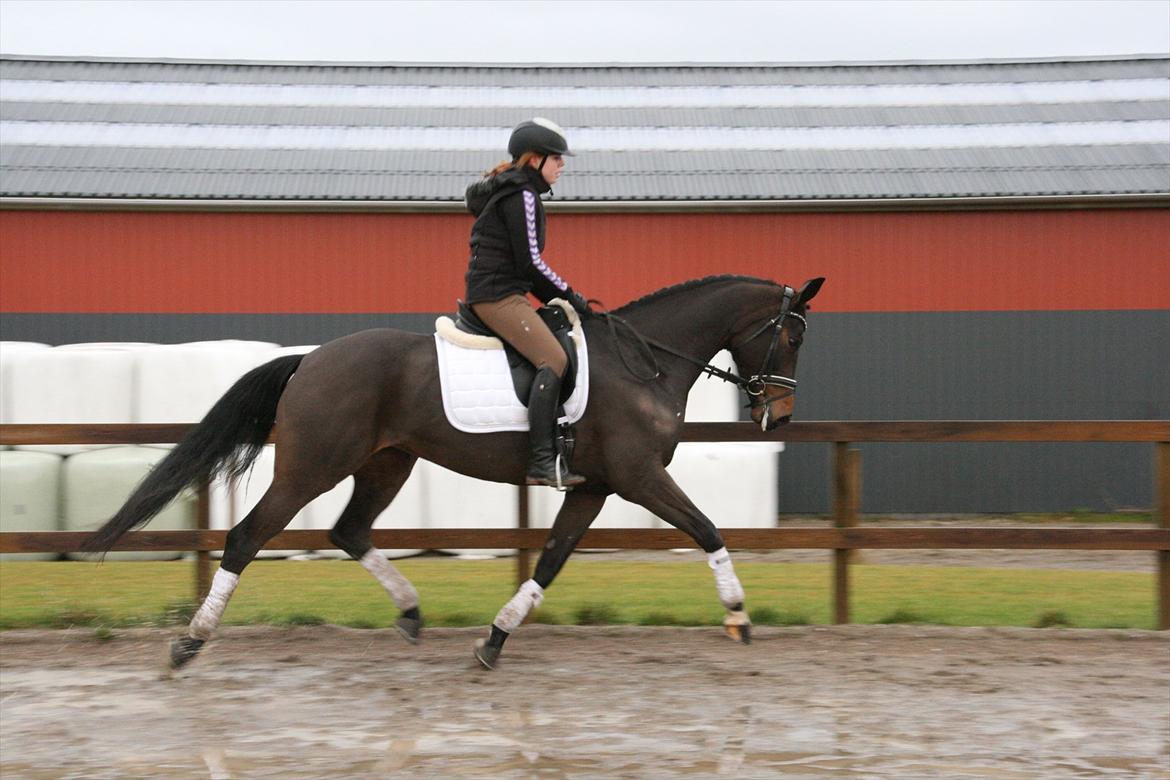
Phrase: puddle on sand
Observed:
(304, 722)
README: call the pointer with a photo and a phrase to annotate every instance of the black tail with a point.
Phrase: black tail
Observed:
(227, 440)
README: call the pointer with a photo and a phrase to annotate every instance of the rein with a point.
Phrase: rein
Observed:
(755, 386)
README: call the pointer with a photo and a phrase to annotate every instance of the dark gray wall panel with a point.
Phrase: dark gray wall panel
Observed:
(284, 329)
(982, 366)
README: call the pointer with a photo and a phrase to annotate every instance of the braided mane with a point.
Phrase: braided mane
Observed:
(684, 286)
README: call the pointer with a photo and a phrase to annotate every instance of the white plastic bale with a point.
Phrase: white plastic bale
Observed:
(733, 484)
(456, 501)
(7, 350)
(30, 489)
(72, 384)
(95, 485)
(257, 347)
(713, 400)
(302, 349)
(179, 383)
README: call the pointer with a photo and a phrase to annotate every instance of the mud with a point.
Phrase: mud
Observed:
(589, 702)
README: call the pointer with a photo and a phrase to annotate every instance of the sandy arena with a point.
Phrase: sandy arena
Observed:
(586, 702)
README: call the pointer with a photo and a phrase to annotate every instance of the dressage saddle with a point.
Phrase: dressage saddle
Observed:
(523, 371)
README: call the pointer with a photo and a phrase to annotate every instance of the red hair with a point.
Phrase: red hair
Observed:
(519, 162)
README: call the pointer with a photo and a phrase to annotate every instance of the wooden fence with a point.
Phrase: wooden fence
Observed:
(844, 537)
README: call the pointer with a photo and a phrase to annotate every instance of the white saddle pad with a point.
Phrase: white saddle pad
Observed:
(478, 394)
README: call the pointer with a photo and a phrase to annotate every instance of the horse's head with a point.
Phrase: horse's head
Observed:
(766, 354)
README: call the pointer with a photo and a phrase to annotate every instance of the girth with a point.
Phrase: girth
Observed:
(522, 369)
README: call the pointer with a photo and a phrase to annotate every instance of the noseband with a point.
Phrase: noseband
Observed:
(758, 383)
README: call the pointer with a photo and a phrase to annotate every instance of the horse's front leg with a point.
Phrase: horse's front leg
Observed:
(577, 512)
(659, 493)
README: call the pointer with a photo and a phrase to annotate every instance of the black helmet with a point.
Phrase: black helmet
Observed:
(538, 135)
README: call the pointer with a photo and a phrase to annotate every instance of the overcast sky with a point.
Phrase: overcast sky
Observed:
(585, 31)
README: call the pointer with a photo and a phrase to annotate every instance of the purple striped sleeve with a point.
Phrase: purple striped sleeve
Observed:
(534, 248)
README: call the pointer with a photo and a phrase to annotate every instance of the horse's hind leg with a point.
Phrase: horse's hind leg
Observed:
(577, 512)
(284, 498)
(660, 494)
(374, 487)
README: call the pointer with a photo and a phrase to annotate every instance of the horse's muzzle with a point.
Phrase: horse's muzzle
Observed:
(771, 416)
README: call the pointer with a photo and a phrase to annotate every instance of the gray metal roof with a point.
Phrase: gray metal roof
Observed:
(359, 132)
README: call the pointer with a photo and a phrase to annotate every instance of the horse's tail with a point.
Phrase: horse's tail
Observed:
(226, 441)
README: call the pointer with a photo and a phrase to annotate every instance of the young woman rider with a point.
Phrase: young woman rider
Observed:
(506, 265)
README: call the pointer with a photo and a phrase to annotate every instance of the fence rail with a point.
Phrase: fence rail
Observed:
(842, 539)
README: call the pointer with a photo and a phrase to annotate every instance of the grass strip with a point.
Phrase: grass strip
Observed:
(588, 591)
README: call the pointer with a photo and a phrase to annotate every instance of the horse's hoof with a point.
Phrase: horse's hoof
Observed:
(183, 649)
(741, 634)
(486, 654)
(410, 628)
(738, 627)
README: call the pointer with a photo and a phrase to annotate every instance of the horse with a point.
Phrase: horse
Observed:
(368, 405)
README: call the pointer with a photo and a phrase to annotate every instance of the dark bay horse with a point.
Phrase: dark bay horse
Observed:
(368, 404)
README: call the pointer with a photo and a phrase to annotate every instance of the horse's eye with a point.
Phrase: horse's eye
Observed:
(795, 341)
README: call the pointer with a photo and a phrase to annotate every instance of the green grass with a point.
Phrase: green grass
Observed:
(469, 593)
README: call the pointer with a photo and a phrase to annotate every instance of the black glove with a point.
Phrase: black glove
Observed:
(580, 305)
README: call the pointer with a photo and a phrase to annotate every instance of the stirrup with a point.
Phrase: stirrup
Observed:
(564, 484)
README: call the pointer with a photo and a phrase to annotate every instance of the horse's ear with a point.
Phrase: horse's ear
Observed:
(809, 290)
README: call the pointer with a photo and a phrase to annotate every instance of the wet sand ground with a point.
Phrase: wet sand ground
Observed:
(588, 702)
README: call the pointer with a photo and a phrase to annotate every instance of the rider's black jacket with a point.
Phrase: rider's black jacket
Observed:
(508, 237)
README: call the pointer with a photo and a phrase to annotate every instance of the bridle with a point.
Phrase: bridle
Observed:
(756, 386)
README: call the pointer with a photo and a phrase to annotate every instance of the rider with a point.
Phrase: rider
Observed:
(506, 264)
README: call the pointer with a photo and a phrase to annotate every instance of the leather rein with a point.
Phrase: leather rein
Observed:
(755, 386)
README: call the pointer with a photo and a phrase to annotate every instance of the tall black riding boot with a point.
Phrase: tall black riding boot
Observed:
(542, 426)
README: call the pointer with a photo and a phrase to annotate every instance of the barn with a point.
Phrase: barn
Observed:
(995, 234)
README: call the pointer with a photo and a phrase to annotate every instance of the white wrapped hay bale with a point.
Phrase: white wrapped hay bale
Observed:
(179, 383)
(713, 400)
(72, 384)
(8, 349)
(96, 484)
(456, 501)
(733, 484)
(30, 490)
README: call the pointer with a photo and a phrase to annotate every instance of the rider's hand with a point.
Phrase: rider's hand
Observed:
(580, 305)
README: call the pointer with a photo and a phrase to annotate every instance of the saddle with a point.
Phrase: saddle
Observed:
(522, 369)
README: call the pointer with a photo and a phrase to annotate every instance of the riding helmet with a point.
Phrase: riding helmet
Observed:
(538, 135)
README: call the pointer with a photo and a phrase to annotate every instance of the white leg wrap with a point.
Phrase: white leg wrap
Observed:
(528, 598)
(401, 591)
(726, 583)
(206, 620)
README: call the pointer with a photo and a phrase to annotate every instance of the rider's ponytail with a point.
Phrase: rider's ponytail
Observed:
(519, 162)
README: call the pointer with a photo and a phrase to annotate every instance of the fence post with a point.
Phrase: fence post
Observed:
(1162, 490)
(522, 522)
(846, 500)
(203, 557)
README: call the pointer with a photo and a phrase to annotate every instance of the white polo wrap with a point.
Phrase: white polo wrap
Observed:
(528, 598)
(206, 620)
(726, 583)
(401, 591)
